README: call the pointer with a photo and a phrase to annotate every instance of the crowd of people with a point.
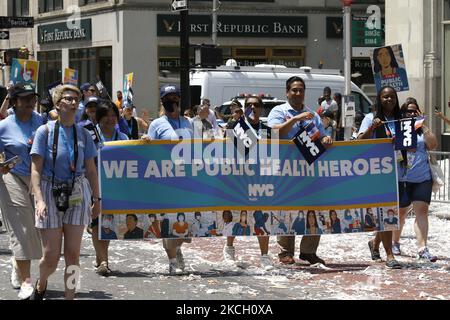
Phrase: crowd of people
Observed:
(53, 192)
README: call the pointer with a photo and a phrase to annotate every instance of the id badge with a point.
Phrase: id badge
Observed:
(76, 197)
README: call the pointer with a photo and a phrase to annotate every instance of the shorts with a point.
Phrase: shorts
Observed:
(79, 215)
(410, 192)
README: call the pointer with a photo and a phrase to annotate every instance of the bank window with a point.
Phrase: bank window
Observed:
(49, 5)
(249, 52)
(85, 2)
(49, 69)
(93, 64)
(20, 8)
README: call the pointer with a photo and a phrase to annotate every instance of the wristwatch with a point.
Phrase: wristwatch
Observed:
(96, 199)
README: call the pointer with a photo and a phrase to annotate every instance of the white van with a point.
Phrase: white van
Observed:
(226, 82)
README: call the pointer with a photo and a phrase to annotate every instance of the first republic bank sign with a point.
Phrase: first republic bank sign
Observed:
(237, 26)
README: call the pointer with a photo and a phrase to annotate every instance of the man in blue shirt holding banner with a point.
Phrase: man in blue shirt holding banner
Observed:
(289, 119)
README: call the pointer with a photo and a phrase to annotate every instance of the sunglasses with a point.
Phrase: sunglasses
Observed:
(91, 90)
(412, 111)
(249, 104)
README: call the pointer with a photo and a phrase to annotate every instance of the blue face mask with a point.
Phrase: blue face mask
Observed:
(168, 105)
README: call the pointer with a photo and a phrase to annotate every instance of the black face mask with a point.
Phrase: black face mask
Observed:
(168, 105)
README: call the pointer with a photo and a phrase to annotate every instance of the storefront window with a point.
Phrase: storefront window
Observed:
(21, 8)
(49, 5)
(49, 69)
(93, 64)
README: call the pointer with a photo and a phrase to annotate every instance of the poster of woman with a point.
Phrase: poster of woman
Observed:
(389, 68)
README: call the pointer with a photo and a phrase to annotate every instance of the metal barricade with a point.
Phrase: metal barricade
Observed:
(443, 158)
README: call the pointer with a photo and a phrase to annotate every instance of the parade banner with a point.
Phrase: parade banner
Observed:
(388, 66)
(71, 76)
(26, 71)
(147, 194)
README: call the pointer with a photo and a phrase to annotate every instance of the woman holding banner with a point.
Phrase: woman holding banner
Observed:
(415, 184)
(106, 117)
(376, 126)
(64, 181)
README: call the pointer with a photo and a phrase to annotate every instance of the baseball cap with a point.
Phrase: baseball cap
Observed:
(85, 86)
(21, 90)
(92, 99)
(327, 113)
(167, 89)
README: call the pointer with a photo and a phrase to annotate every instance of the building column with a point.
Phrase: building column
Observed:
(64, 61)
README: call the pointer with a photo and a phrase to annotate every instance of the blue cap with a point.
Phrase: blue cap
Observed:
(91, 99)
(85, 86)
(167, 89)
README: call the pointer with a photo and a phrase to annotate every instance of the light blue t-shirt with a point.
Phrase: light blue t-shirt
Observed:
(418, 169)
(16, 138)
(367, 122)
(164, 128)
(117, 136)
(43, 143)
(283, 112)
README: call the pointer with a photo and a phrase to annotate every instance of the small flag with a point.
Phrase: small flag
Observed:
(419, 123)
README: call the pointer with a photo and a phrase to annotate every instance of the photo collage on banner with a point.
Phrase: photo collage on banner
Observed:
(246, 223)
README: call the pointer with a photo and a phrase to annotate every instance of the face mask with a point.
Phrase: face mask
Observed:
(168, 105)
(107, 224)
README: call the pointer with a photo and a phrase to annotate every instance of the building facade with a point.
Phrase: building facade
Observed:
(116, 37)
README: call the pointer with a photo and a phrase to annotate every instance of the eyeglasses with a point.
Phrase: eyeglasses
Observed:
(91, 90)
(70, 99)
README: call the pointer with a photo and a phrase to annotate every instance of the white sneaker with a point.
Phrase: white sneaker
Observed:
(266, 262)
(15, 275)
(173, 266)
(26, 290)
(229, 254)
(180, 259)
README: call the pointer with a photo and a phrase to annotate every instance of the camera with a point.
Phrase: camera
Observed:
(61, 193)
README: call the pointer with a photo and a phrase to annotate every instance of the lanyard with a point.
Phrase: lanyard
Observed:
(27, 138)
(55, 151)
(173, 124)
(102, 137)
(130, 127)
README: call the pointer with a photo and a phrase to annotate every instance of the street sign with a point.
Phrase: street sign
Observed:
(363, 36)
(179, 5)
(4, 35)
(16, 22)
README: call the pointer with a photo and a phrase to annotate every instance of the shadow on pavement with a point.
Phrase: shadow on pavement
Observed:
(58, 295)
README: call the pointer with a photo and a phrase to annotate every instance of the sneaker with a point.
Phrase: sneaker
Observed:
(16, 282)
(375, 253)
(393, 264)
(287, 259)
(312, 258)
(173, 266)
(103, 269)
(266, 262)
(180, 259)
(26, 290)
(396, 249)
(38, 295)
(229, 254)
(425, 254)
